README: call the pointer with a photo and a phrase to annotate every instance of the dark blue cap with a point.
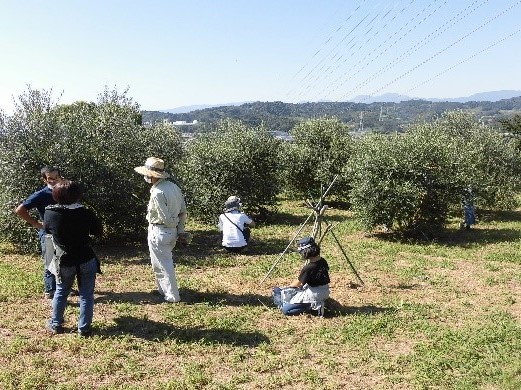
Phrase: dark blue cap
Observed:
(306, 242)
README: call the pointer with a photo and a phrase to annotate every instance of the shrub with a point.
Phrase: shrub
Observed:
(320, 150)
(232, 160)
(98, 144)
(402, 182)
(28, 142)
(489, 162)
(411, 182)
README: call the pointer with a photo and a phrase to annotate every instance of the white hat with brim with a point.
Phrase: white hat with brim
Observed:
(154, 167)
(232, 203)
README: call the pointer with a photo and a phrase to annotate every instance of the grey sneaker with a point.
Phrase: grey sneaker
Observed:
(49, 295)
(53, 329)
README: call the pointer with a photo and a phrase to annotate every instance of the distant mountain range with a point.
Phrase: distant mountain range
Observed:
(491, 96)
(380, 116)
(184, 109)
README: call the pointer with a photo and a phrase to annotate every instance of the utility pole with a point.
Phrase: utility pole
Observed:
(361, 125)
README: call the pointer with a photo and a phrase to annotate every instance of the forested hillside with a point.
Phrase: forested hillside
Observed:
(379, 117)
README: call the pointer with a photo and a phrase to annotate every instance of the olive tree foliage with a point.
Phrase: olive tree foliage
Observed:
(401, 182)
(232, 160)
(513, 127)
(320, 150)
(410, 182)
(489, 163)
(97, 144)
(27, 143)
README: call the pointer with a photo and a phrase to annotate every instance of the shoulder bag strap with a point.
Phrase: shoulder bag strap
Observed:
(233, 223)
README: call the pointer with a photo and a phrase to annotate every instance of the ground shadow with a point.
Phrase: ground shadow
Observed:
(159, 331)
(204, 249)
(465, 238)
(280, 218)
(123, 253)
(205, 244)
(497, 215)
(335, 308)
(133, 297)
(188, 296)
(456, 237)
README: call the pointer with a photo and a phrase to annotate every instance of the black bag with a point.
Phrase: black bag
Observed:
(246, 233)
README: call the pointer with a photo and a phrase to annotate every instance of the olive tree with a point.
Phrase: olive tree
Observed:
(97, 144)
(487, 161)
(234, 159)
(28, 142)
(513, 128)
(402, 182)
(320, 150)
(410, 182)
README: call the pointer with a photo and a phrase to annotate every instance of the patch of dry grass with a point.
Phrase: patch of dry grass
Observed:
(444, 314)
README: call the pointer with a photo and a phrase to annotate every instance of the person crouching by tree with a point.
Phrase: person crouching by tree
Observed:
(311, 289)
(166, 216)
(234, 225)
(71, 226)
(469, 210)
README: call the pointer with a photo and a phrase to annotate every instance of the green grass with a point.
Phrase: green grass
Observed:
(438, 315)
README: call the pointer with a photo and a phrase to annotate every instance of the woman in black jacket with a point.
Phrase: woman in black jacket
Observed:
(71, 226)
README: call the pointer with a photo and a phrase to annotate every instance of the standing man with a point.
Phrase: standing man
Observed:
(166, 216)
(39, 200)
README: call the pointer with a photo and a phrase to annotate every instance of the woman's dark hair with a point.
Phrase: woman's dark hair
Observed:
(310, 252)
(67, 192)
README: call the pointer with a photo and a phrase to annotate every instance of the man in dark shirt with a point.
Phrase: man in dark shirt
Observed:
(39, 200)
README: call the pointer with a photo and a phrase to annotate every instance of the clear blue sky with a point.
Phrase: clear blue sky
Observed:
(173, 53)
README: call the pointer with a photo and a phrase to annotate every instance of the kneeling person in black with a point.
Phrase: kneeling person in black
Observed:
(312, 286)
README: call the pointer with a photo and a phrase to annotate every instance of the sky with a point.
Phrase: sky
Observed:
(173, 53)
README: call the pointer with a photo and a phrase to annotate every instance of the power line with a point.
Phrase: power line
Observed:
(465, 60)
(319, 50)
(325, 72)
(352, 53)
(447, 47)
(456, 19)
(348, 72)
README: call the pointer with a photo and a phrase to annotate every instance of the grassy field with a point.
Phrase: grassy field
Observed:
(437, 315)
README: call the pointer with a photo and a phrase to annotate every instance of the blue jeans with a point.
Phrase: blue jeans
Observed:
(289, 308)
(49, 281)
(86, 274)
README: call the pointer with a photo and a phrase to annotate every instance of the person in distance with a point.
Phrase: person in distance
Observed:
(235, 226)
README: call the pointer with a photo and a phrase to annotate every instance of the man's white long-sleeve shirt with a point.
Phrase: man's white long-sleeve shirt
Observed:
(167, 205)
